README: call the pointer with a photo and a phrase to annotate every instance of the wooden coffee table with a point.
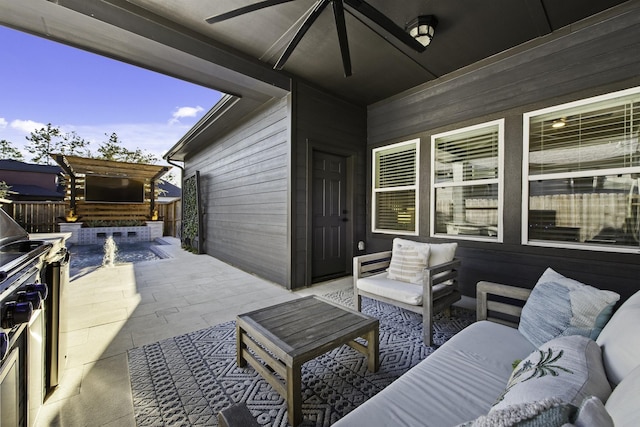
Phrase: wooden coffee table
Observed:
(285, 336)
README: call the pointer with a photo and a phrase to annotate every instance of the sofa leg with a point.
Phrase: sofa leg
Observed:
(358, 302)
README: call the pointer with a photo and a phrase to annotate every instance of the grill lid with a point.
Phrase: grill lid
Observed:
(10, 230)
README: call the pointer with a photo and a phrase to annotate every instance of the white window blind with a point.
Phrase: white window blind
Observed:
(467, 168)
(583, 164)
(395, 188)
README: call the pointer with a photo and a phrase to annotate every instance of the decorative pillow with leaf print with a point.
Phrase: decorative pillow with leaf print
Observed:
(568, 367)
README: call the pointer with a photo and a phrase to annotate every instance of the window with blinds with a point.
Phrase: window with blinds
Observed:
(582, 172)
(395, 188)
(466, 174)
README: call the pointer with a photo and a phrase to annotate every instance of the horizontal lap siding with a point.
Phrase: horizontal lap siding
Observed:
(336, 127)
(244, 186)
(581, 60)
(589, 60)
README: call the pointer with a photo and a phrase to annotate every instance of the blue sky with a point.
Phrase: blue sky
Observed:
(42, 82)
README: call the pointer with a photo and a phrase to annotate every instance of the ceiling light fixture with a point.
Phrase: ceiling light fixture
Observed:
(423, 28)
(559, 123)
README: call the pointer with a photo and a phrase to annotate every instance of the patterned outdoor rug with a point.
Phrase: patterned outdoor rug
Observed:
(187, 380)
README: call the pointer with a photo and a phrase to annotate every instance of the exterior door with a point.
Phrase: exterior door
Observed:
(330, 216)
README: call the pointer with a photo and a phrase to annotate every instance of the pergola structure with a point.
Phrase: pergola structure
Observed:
(78, 169)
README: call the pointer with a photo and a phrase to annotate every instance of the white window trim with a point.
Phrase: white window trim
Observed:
(600, 172)
(499, 181)
(415, 187)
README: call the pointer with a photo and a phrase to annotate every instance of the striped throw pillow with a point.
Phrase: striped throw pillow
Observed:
(408, 262)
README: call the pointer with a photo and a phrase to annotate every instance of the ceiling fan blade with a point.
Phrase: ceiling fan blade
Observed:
(317, 10)
(387, 24)
(245, 9)
(338, 13)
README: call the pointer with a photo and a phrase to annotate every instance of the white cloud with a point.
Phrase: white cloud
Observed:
(27, 126)
(3, 123)
(182, 112)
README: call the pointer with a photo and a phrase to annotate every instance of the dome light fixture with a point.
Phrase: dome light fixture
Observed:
(423, 28)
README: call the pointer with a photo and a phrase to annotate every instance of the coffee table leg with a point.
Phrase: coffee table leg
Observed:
(372, 349)
(240, 347)
(294, 394)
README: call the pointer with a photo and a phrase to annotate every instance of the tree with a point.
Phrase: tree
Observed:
(73, 144)
(42, 143)
(50, 139)
(112, 150)
(4, 189)
(8, 151)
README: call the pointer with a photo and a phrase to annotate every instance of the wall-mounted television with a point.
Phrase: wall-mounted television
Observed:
(108, 189)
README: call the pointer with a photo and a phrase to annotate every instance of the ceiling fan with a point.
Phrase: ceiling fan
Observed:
(359, 6)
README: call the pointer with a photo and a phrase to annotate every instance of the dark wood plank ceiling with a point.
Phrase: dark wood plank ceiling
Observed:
(468, 31)
(242, 50)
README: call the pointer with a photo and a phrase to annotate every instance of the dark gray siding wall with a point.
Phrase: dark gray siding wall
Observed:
(586, 60)
(326, 123)
(244, 189)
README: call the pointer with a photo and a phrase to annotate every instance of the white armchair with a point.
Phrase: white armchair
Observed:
(434, 290)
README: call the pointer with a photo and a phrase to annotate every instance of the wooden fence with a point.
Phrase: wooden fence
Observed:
(43, 217)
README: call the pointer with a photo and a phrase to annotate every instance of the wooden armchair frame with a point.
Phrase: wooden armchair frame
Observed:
(367, 265)
(485, 308)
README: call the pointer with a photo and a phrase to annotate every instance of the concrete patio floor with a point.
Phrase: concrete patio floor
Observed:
(114, 309)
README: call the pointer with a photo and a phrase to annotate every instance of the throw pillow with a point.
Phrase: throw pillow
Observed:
(593, 413)
(559, 306)
(441, 253)
(408, 261)
(544, 413)
(569, 368)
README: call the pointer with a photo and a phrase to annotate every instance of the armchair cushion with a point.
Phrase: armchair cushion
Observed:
(408, 293)
(439, 253)
(435, 253)
(559, 306)
(408, 261)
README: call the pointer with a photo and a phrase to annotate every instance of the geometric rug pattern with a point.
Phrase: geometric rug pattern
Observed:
(186, 380)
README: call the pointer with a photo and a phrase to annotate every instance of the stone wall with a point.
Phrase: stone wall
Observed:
(97, 235)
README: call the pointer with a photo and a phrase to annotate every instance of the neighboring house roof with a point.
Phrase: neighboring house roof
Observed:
(169, 190)
(33, 191)
(15, 165)
(24, 179)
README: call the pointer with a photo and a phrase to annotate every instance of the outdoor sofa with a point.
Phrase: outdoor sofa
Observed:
(566, 370)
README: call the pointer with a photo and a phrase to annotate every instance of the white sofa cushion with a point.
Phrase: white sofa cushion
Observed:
(619, 340)
(569, 368)
(457, 383)
(624, 403)
(408, 261)
(559, 306)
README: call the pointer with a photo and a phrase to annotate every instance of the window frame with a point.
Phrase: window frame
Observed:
(527, 178)
(415, 188)
(499, 181)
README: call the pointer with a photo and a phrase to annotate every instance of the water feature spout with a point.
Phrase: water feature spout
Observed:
(110, 251)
